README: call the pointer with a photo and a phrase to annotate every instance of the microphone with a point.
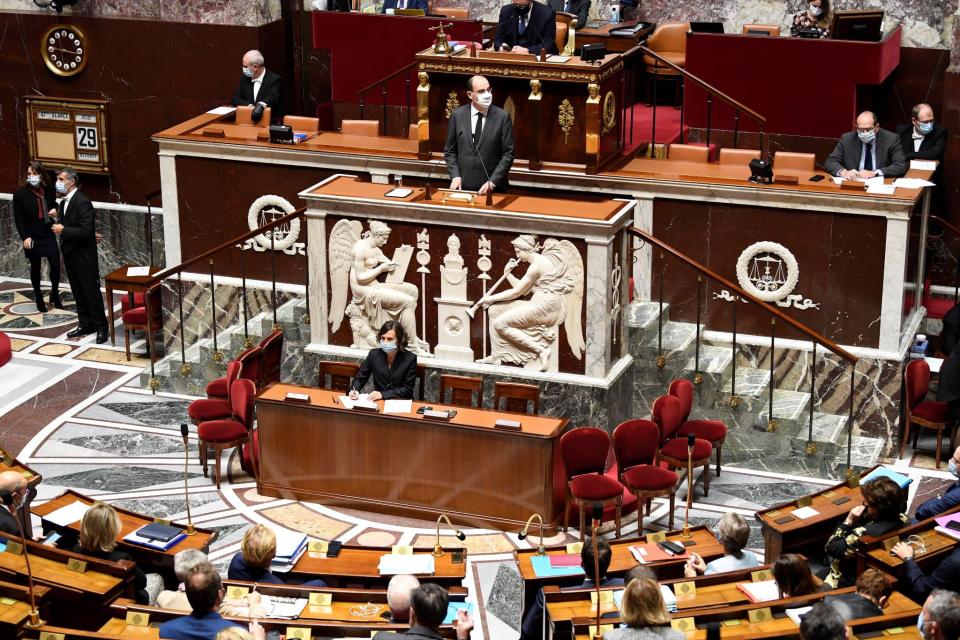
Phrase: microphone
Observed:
(437, 549)
(489, 201)
(691, 442)
(428, 189)
(13, 505)
(184, 431)
(541, 551)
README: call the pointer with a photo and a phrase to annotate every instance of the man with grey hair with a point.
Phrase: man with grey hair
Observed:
(76, 228)
(259, 87)
(940, 618)
(183, 563)
(13, 490)
(867, 152)
(398, 596)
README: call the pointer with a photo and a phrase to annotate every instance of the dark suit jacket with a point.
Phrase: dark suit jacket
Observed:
(411, 4)
(139, 577)
(413, 633)
(853, 606)
(79, 227)
(395, 382)
(932, 148)
(8, 524)
(950, 499)
(30, 225)
(541, 29)
(195, 627)
(847, 153)
(496, 148)
(580, 7)
(240, 570)
(269, 92)
(945, 576)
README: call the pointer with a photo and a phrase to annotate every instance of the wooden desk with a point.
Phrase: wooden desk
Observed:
(874, 552)
(14, 615)
(9, 462)
(614, 43)
(357, 564)
(130, 521)
(405, 464)
(118, 279)
(794, 535)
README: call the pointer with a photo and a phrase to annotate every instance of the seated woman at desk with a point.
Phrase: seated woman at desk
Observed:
(814, 21)
(99, 529)
(645, 614)
(794, 577)
(733, 533)
(880, 513)
(394, 369)
(256, 553)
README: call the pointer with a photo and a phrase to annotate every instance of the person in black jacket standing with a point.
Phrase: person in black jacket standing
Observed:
(32, 205)
(394, 369)
(76, 228)
(259, 87)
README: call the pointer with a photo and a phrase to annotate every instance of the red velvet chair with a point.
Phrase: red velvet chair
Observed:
(272, 349)
(921, 412)
(250, 368)
(228, 432)
(714, 431)
(636, 443)
(668, 413)
(135, 318)
(6, 351)
(250, 455)
(584, 452)
(214, 408)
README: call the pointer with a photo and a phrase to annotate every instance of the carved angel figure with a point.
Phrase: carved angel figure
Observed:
(356, 258)
(525, 329)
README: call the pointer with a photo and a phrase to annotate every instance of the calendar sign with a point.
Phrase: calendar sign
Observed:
(69, 132)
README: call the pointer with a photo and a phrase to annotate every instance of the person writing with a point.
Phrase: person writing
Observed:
(814, 22)
(394, 369)
(866, 152)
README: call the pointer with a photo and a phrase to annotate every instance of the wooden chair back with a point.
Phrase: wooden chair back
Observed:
(360, 128)
(771, 30)
(793, 161)
(517, 397)
(244, 117)
(738, 156)
(340, 374)
(688, 153)
(463, 390)
(302, 123)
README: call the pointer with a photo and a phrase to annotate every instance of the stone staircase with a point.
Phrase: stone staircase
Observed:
(750, 443)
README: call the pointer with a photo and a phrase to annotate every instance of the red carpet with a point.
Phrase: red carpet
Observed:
(667, 131)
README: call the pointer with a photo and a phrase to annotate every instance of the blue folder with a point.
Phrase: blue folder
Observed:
(543, 569)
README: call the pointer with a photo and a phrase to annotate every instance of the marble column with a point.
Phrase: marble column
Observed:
(171, 207)
(643, 255)
(598, 334)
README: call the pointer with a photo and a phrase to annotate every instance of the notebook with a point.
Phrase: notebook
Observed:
(762, 591)
(883, 472)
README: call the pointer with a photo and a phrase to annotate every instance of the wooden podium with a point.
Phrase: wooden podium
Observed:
(563, 112)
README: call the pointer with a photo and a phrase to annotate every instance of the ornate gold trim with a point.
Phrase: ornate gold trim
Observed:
(453, 101)
(609, 113)
(565, 118)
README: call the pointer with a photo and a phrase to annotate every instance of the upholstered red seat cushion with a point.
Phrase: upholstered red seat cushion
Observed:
(208, 409)
(712, 430)
(6, 352)
(595, 487)
(217, 389)
(221, 430)
(647, 477)
(931, 411)
(135, 316)
(138, 301)
(677, 449)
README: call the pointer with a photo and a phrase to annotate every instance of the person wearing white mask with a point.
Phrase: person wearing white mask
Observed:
(479, 147)
(867, 152)
(393, 367)
(950, 498)
(812, 21)
(259, 87)
(32, 205)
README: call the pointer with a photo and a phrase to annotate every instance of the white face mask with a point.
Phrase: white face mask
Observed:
(485, 99)
(33, 181)
(815, 11)
(867, 137)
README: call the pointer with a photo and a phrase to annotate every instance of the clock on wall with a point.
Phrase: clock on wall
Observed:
(64, 50)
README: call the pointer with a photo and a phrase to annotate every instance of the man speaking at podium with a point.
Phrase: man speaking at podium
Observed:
(526, 27)
(479, 149)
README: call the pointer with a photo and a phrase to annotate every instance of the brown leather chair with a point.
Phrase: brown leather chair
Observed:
(360, 127)
(452, 12)
(688, 153)
(340, 374)
(771, 30)
(517, 397)
(738, 156)
(787, 160)
(414, 132)
(563, 28)
(669, 41)
(302, 123)
(243, 117)
(462, 391)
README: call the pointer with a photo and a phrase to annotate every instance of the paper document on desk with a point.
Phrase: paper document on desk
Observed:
(881, 189)
(804, 513)
(222, 111)
(797, 614)
(280, 607)
(133, 272)
(912, 183)
(923, 165)
(66, 516)
(419, 564)
(763, 591)
(558, 59)
(363, 401)
(398, 406)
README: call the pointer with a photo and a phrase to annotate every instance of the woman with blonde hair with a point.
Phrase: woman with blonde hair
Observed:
(99, 529)
(645, 614)
(256, 553)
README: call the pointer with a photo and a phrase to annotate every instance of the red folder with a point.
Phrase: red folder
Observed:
(565, 560)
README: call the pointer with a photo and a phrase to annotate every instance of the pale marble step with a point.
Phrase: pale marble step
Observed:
(789, 405)
(714, 360)
(643, 315)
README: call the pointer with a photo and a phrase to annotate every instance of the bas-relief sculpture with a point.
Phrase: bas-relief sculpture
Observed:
(227, 12)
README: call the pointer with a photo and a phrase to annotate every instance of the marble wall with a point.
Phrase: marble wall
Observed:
(232, 12)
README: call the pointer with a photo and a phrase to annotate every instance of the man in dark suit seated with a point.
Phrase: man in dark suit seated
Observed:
(205, 593)
(924, 139)
(13, 490)
(259, 87)
(873, 591)
(404, 4)
(951, 497)
(579, 8)
(532, 626)
(479, 148)
(428, 608)
(526, 26)
(946, 575)
(867, 152)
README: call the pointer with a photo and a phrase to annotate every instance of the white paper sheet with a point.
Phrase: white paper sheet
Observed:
(797, 614)
(881, 189)
(911, 183)
(363, 400)
(65, 516)
(923, 165)
(935, 364)
(133, 272)
(418, 564)
(222, 111)
(804, 513)
(762, 591)
(398, 406)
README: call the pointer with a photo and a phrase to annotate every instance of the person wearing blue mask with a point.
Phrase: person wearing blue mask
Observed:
(951, 497)
(923, 138)
(867, 152)
(259, 87)
(940, 617)
(394, 369)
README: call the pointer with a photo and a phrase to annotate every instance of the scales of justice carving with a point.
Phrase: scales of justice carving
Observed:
(520, 325)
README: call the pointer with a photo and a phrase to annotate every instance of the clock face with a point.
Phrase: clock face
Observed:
(64, 50)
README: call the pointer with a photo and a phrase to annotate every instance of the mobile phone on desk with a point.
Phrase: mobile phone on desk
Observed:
(816, 178)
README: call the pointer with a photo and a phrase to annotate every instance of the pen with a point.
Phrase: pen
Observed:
(334, 396)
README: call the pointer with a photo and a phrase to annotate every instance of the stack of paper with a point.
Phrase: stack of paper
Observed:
(398, 406)
(762, 591)
(543, 568)
(797, 614)
(67, 515)
(290, 546)
(363, 401)
(669, 598)
(417, 564)
(286, 608)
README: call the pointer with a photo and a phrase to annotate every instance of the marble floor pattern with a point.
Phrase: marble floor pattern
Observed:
(74, 412)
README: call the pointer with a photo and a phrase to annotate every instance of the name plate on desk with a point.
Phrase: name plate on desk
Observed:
(433, 414)
(14, 547)
(297, 397)
(508, 425)
(79, 566)
(213, 132)
(138, 619)
(853, 185)
(784, 179)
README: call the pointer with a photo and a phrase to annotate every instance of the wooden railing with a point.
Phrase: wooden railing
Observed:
(816, 339)
(712, 92)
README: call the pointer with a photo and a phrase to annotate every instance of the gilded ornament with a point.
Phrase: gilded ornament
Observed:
(698, 379)
(154, 384)
(217, 356)
(811, 448)
(593, 91)
(186, 369)
(452, 103)
(565, 118)
(734, 402)
(661, 362)
(772, 425)
(534, 88)
(424, 78)
(305, 319)
(511, 108)
(609, 113)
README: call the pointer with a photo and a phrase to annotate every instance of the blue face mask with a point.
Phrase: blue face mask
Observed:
(61, 187)
(248, 72)
(952, 468)
(867, 137)
(388, 347)
(925, 128)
